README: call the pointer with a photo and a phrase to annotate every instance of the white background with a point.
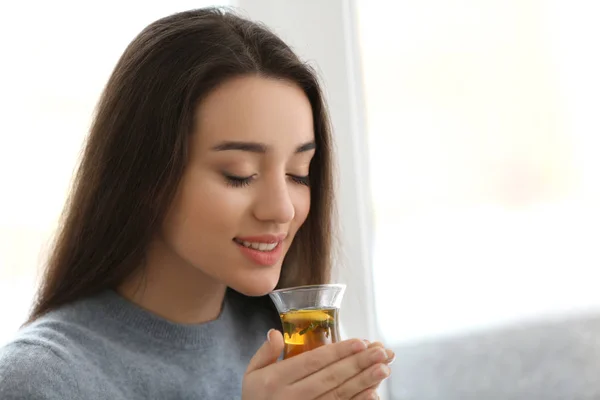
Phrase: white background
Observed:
(483, 140)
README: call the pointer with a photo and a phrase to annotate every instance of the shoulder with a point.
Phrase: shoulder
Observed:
(46, 358)
(33, 369)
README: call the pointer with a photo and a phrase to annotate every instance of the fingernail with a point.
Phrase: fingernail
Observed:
(359, 346)
(379, 355)
(269, 335)
(383, 371)
(391, 356)
(366, 342)
(373, 396)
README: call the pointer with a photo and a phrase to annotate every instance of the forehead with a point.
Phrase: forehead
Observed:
(257, 109)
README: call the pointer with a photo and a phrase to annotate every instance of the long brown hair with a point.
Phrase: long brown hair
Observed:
(137, 149)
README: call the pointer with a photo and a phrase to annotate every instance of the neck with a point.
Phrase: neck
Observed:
(173, 289)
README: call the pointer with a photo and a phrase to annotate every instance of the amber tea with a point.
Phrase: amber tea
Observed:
(308, 329)
(309, 316)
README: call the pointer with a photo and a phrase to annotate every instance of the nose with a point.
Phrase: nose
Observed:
(274, 202)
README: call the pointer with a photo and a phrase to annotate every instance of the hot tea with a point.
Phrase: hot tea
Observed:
(309, 316)
(308, 329)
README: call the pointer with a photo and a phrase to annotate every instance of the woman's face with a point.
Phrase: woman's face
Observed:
(244, 193)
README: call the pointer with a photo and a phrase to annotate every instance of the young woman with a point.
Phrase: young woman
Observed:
(205, 183)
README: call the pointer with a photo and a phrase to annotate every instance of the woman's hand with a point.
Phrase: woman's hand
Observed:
(346, 370)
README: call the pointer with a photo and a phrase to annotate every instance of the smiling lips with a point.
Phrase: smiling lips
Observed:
(265, 250)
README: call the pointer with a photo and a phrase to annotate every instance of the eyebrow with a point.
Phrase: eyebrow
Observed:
(254, 147)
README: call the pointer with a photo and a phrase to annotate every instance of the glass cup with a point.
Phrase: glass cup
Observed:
(309, 315)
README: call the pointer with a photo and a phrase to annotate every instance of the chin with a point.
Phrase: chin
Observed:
(256, 286)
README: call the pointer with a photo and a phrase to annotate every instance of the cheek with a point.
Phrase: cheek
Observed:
(203, 216)
(301, 206)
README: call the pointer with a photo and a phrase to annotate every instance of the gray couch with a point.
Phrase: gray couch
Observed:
(551, 359)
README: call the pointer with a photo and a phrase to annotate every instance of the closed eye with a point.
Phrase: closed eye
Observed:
(242, 181)
(301, 180)
(238, 181)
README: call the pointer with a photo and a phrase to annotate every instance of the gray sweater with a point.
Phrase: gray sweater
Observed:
(105, 347)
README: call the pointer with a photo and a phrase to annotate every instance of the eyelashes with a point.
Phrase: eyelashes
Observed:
(300, 180)
(243, 181)
(238, 181)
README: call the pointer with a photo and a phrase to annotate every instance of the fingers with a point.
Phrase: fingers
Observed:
(303, 365)
(369, 394)
(390, 353)
(268, 352)
(346, 377)
(362, 384)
